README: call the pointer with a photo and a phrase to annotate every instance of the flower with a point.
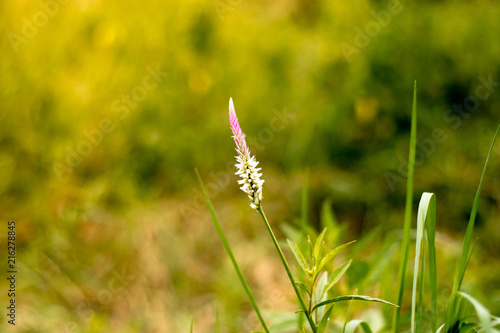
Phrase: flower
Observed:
(247, 164)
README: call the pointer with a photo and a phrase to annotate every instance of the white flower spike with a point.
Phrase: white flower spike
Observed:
(247, 164)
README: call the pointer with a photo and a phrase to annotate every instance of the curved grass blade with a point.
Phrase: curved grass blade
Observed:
(452, 307)
(426, 213)
(351, 297)
(353, 324)
(482, 312)
(227, 247)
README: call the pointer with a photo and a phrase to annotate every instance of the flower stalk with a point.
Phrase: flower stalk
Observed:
(252, 185)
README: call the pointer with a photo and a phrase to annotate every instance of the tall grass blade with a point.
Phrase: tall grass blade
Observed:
(460, 272)
(227, 247)
(452, 308)
(348, 313)
(405, 245)
(426, 213)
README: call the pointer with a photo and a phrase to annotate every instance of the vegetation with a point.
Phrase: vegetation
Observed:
(107, 107)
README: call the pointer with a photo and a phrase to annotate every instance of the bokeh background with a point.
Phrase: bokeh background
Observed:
(97, 154)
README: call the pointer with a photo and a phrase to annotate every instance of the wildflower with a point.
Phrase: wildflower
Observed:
(247, 164)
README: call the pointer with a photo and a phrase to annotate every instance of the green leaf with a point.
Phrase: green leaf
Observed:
(311, 259)
(353, 324)
(467, 327)
(426, 213)
(302, 330)
(336, 275)
(348, 312)
(405, 244)
(229, 251)
(303, 287)
(318, 245)
(320, 288)
(452, 307)
(440, 328)
(352, 297)
(324, 320)
(298, 255)
(191, 330)
(332, 254)
(468, 235)
(482, 313)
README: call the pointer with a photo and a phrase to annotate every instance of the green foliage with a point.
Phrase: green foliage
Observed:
(318, 283)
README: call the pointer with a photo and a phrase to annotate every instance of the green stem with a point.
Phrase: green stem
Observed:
(405, 244)
(225, 243)
(287, 268)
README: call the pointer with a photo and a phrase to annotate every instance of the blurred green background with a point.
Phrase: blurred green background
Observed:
(97, 154)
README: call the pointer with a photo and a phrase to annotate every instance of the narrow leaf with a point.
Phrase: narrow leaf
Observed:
(352, 297)
(353, 324)
(332, 255)
(229, 251)
(426, 213)
(324, 320)
(405, 244)
(482, 313)
(452, 307)
(298, 255)
(347, 314)
(337, 274)
(303, 287)
(318, 245)
(468, 234)
(320, 287)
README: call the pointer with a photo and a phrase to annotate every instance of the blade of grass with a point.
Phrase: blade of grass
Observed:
(353, 324)
(405, 245)
(426, 213)
(460, 272)
(452, 307)
(348, 312)
(227, 247)
(351, 297)
(288, 271)
(482, 312)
